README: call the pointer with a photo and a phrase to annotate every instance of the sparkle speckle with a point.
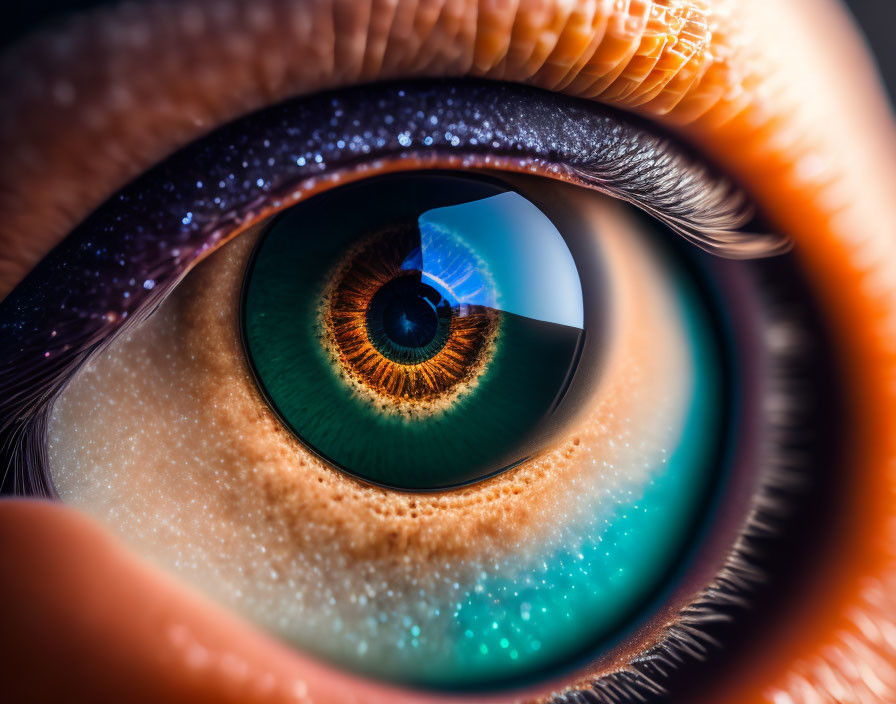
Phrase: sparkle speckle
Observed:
(165, 459)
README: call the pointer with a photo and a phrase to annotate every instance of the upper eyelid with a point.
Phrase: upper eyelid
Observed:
(83, 90)
(154, 229)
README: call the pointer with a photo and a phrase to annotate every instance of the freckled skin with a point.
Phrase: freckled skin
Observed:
(777, 92)
(195, 341)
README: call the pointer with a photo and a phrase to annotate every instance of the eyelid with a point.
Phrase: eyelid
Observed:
(84, 112)
(152, 231)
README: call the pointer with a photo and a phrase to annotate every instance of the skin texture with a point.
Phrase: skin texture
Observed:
(780, 94)
(331, 512)
(260, 488)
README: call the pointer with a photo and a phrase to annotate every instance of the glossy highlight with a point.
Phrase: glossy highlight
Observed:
(448, 364)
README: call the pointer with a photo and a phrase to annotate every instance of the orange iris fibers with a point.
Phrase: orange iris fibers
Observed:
(454, 367)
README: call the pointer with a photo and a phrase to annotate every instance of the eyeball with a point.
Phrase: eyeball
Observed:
(427, 334)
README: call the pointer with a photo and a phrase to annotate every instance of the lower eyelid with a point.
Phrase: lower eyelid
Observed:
(178, 647)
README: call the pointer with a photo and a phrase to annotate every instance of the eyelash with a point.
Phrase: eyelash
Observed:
(182, 210)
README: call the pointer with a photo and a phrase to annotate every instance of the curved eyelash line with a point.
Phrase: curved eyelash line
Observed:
(178, 211)
(121, 262)
(731, 591)
(708, 212)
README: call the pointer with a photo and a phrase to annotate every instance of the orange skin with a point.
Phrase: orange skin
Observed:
(782, 95)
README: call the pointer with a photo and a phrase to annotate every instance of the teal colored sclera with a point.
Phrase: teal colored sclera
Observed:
(538, 614)
(570, 600)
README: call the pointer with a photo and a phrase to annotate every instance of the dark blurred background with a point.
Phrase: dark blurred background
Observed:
(877, 18)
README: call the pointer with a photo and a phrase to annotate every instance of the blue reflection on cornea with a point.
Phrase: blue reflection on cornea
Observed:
(530, 270)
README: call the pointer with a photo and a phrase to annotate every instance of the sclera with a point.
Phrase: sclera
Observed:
(186, 461)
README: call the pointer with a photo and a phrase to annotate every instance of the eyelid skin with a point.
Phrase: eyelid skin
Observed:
(777, 92)
(84, 113)
(150, 234)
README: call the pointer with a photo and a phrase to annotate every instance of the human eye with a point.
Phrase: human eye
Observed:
(464, 388)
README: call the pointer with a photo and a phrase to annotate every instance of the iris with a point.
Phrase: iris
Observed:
(421, 331)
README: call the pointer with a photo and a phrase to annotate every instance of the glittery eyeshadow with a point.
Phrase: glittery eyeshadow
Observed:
(125, 257)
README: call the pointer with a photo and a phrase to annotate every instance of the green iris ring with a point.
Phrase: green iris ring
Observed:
(532, 382)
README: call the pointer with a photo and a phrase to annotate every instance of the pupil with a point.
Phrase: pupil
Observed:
(407, 320)
(410, 319)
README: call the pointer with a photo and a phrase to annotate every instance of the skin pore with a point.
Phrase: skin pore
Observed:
(780, 94)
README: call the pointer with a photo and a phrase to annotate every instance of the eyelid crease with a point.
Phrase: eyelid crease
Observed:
(805, 127)
(211, 65)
